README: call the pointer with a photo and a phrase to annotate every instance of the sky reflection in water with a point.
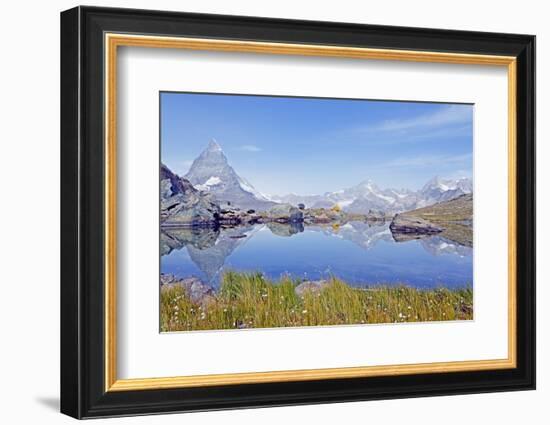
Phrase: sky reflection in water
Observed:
(358, 253)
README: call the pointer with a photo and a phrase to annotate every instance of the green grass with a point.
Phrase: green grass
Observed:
(252, 301)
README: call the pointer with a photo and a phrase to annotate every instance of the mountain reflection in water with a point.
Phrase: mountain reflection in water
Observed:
(359, 253)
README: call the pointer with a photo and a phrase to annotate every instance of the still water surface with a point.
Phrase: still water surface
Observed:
(361, 254)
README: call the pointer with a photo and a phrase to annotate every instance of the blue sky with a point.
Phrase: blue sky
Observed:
(311, 146)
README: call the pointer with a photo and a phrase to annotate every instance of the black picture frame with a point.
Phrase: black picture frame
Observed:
(82, 212)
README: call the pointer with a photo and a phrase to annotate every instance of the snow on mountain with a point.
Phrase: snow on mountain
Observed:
(439, 190)
(368, 196)
(211, 172)
(246, 186)
(212, 181)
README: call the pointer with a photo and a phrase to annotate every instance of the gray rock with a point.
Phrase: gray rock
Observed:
(182, 204)
(408, 224)
(313, 286)
(197, 291)
(285, 229)
(230, 216)
(285, 213)
(166, 279)
(376, 215)
(406, 237)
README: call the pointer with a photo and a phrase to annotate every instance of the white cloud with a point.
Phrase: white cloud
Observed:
(447, 121)
(429, 160)
(449, 115)
(250, 148)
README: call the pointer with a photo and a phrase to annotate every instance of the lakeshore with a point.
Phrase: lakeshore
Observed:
(249, 300)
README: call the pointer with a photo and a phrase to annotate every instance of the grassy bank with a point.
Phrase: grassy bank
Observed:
(451, 215)
(252, 301)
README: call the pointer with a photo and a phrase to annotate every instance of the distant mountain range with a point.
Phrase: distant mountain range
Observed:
(368, 196)
(211, 173)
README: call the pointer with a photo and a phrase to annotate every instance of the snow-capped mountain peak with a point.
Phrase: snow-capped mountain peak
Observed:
(211, 172)
(369, 184)
(438, 190)
(212, 181)
(438, 183)
(247, 187)
(213, 146)
(367, 196)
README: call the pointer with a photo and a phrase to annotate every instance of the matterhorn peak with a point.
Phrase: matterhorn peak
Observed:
(213, 146)
(213, 155)
(211, 172)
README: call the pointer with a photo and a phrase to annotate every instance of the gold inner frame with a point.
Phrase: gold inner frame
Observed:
(113, 41)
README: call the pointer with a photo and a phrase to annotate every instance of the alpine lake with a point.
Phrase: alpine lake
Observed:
(359, 253)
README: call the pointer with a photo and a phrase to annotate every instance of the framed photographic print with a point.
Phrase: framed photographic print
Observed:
(261, 212)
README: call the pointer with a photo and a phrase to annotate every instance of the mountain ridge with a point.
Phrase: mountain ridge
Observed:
(368, 196)
(210, 172)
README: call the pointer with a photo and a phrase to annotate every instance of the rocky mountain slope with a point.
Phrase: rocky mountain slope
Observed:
(455, 210)
(182, 204)
(451, 219)
(185, 205)
(211, 172)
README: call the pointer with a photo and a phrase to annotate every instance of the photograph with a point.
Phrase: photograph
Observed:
(284, 210)
(290, 211)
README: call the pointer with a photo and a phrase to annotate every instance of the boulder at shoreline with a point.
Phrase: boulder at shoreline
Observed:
(285, 213)
(197, 291)
(312, 286)
(408, 224)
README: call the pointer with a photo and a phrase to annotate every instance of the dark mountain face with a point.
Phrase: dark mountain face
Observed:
(182, 204)
(211, 173)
